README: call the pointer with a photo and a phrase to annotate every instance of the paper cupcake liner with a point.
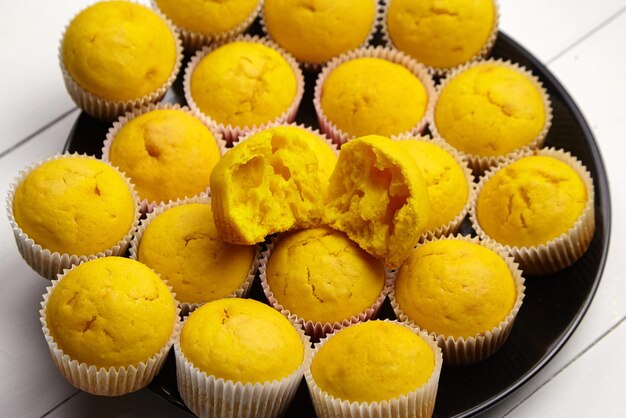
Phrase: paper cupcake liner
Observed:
(418, 403)
(453, 226)
(479, 163)
(148, 206)
(229, 132)
(316, 66)
(316, 329)
(193, 41)
(113, 381)
(562, 251)
(50, 263)
(209, 396)
(109, 110)
(442, 72)
(392, 55)
(187, 307)
(470, 350)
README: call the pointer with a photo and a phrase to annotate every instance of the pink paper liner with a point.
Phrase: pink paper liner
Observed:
(452, 227)
(479, 164)
(340, 137)
(109, 110)
(186, 307)
(316, 66)
(229, 132)
(316, 329)
(559, 252)
(210, 396)
(442, 72)
(112, 381)
(50, 263)
(418, 403)
(193, 41)
(148, 206)
(470, 350)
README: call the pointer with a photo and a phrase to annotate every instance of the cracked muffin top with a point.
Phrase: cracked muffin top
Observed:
(241, 340)
(322, 276)
(243, 83)
(183, 246)
(111, 312)
(531, 201)
(167, 153)
(75, 205)
(490, 109)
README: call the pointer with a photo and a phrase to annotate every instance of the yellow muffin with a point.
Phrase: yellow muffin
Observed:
(455, 288)
(367, 96)
(373, 361)
(260, 187)
(315, 31)
(441, 34)
(243, 83)
(119, 50)
(111, 312)
(183, 246)
(446, 182)
(241, 340)
(167, 153)
(75, 205)
(490, 109)
(325, 153)
(531, 201)
(378, 197)
(322, 276)
(208, 17)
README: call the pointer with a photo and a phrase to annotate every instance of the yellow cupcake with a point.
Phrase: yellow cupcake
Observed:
(441, 34)
(183, 246)
(368, 95)
(447, 184)
(455, 288)
(373, 361)
(315, 31)
(119, 50)
(167, 153)
(531, 201)
(325, 153)
(75, 205)
(111, 312)
(260, 187)
(378, 197)
(241, 340)
(243, 83)
(490, 109)
(321, 276)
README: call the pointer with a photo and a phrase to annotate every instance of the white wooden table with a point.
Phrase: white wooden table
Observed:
(582, 43)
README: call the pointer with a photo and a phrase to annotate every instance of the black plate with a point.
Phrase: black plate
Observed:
(553, 307)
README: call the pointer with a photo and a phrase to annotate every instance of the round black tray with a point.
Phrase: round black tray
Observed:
(554, 304)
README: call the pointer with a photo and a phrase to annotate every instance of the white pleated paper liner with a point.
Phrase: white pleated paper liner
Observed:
(470, 350)
(316, 329)
(210, 396)
(148, 206)
(186, 307)
(479, 163)
(229, 132)
(50, 263)
(559, 252)
(193, 41)
(113, 381)
(392, 55)
(418, 403)
(109, 110)
(442, 72)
